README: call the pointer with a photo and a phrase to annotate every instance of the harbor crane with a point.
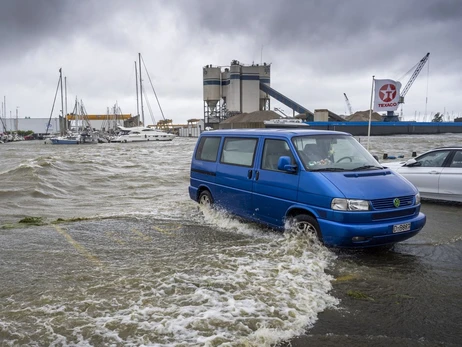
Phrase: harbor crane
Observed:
(391, 117)
(348, 104)
(417, 70)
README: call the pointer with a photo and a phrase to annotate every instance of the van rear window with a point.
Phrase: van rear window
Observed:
(208, 148)
(239, 151)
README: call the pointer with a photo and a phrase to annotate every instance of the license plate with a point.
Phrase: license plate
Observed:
(399, 228)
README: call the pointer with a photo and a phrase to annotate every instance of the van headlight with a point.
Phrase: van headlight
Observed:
(349, 205)
(417, 198)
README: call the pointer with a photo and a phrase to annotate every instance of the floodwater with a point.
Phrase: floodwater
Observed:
(122, 257)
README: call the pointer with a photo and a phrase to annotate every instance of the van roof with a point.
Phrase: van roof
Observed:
(272, 132)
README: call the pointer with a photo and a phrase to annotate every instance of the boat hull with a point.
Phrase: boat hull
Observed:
(125, 139)
(64, 142)
(142, 134)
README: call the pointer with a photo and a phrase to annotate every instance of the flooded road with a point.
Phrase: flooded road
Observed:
(407, 296)
(121, 257)
(147, 282)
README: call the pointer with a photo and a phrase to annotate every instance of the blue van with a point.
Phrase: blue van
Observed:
(321, 182)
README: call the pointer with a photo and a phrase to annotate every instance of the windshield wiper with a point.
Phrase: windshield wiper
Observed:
(366, 167)
(329, 169)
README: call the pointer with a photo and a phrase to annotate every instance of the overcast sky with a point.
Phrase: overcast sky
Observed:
(318, 50)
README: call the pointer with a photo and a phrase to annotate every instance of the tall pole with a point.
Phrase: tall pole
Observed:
(4, 105)
(370, 114)
(64, 127)
(16, 125)
(65, 92)
(3, 116)
(220, 105)
(137, 102)
(141, 89)
(261, 55)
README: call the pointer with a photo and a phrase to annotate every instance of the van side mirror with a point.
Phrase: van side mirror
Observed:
(285, 165)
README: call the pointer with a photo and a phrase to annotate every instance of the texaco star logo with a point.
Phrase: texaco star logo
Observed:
(387, 93)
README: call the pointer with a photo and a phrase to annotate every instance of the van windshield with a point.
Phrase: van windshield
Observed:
(333, 153)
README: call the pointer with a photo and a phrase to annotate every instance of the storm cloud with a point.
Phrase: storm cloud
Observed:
(318, 51)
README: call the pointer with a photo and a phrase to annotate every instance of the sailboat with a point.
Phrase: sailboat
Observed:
(82, 132)
(142, 133)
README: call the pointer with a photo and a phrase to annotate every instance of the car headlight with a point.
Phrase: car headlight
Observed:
(417, 198)
(349, 205)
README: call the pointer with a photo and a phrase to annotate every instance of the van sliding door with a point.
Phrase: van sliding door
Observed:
(234, 176)
(275, 191)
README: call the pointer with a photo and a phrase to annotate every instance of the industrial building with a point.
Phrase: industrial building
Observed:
(239, 89)
(37, 125)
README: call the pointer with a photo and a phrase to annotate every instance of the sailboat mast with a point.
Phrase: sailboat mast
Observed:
(3, 115)
(137, 102)
(65, 94)
(141, 89)
(64, 127)
(4, 105)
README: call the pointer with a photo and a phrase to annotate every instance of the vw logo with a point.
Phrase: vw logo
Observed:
(396, 202)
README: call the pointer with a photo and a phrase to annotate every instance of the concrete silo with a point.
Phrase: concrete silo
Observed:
(265, 78)
(225, 81)
(212, 93)
(250, 88)
(233, 99)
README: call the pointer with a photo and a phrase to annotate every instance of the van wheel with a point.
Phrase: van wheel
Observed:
(304, 223)
(205, 198)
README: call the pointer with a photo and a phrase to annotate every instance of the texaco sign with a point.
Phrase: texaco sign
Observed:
(386, 95)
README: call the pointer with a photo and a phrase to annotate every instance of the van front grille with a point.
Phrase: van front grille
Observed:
(393, 214)
(388, 203)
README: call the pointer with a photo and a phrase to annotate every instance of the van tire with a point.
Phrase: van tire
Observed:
(205, 198)
(305, 223)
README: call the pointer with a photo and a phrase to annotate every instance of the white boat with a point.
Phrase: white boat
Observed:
(141, 134)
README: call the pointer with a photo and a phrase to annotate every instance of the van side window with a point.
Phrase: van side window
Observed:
(239, 151)
(208, 149)
(272, 151)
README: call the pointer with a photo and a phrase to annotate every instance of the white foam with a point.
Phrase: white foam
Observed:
(262, 290)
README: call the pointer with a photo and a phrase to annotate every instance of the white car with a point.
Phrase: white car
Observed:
(437, 174)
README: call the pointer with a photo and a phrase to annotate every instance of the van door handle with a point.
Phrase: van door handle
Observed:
(433, 172)
(249, 174)
(257, 175)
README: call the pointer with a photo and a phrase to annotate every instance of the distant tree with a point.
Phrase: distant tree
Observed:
(437, 117)
(25, 133)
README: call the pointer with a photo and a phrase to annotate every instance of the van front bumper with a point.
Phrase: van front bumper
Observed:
(336, 234)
